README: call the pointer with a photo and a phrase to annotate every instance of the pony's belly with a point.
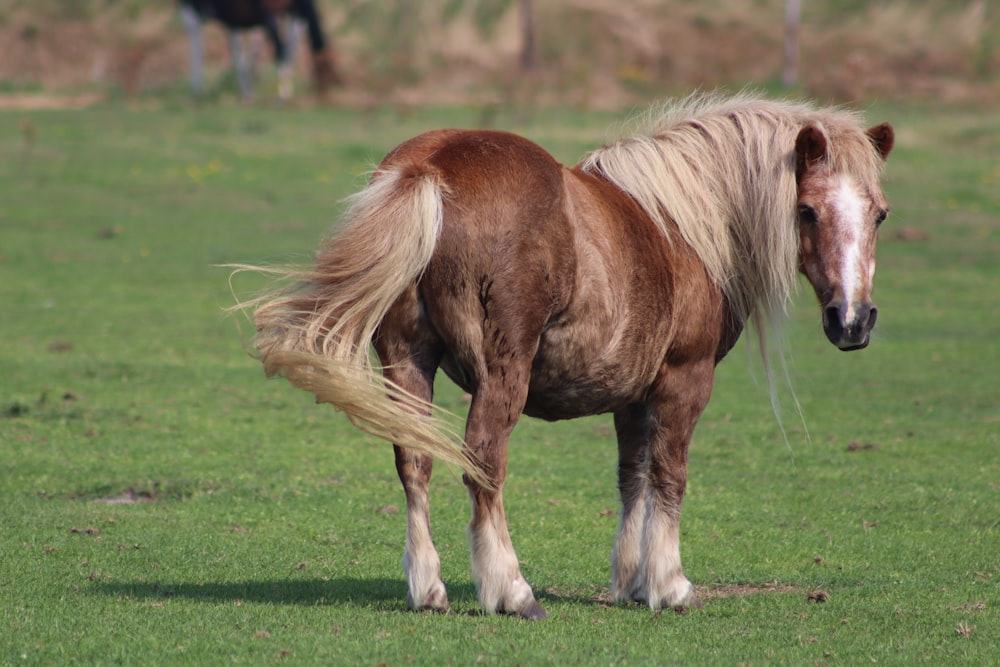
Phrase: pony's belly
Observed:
(554, 396)
(570, 403)
(561, 397)
(581, 371)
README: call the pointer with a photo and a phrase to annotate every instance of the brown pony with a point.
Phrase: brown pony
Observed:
(613, 286)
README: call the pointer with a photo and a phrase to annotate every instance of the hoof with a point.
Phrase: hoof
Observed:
(533, 612)
(432, 610)
(692, 602)
(437, 601)
(678, 594)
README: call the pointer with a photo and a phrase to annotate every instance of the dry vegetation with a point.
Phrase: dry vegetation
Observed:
(594, 53)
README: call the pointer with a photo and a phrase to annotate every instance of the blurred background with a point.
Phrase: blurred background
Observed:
(600, 54)
(160, 503)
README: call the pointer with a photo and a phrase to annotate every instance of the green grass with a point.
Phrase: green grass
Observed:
(264, 527)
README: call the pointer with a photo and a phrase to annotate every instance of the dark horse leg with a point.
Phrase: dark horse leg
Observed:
(653, 440)
(325, 72)
(196, 55)
(410, 356)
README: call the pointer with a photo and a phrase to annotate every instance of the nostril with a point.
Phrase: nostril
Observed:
(872, 316)
(832, 317)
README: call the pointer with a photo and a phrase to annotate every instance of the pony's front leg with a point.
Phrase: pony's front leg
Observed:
(672, 410)
(421, 563)
(632, 428)
(495, 408)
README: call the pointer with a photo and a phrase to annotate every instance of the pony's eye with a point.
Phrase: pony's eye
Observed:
(807, 214)
(880, 217)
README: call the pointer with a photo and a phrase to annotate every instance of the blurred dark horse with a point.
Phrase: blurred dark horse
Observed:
(239, 16)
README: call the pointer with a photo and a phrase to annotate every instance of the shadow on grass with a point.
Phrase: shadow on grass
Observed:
(390, 594)
(363, 592)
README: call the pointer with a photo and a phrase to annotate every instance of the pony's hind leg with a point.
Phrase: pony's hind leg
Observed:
(491, 327)
(425, 590)
(496, 404)
(410, 360)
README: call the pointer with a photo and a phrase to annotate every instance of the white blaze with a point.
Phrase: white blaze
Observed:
(849, 219)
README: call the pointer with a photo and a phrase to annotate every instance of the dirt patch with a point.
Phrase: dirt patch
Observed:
(127, 497)
(855, 446)
(725, 591)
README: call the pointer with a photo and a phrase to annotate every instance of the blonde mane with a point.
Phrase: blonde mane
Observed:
(721, 172)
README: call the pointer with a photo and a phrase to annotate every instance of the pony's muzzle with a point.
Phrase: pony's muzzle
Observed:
(849, 328)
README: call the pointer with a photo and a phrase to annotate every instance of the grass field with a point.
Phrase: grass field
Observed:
(160, 503)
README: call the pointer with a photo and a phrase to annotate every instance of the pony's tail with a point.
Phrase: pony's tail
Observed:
(318, 332)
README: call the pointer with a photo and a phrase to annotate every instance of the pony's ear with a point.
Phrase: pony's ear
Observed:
(810, 148)
(882, 137)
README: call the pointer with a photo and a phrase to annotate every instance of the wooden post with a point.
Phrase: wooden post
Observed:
(792, 14)
(529, 47)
